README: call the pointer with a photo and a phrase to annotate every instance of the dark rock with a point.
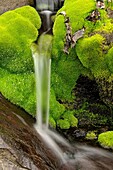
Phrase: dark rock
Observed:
(20, 145)
(6, 5)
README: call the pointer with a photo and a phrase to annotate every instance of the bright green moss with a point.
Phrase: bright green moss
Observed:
(90, 53)
(78, 12)
(69, 116)
(18, 29)
(109, 59)
(17, 33)
(19, 88)
(91, 135)
(88, 49)
(52, 122)
(30, 14)
(56, 109)
(106, 139)
(63, 124)
(65, 72)
(67, 68)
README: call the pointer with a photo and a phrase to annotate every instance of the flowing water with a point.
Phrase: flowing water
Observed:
(72, 157)
(42, 64)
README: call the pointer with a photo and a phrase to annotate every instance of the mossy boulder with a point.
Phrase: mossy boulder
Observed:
(92, 54)
(106, 139)
(18, 31)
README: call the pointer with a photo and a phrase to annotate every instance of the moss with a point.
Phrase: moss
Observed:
(69, 116)
(94, 117)
(109, 59)
(20, 89)
(18, 31)
(62, 83)
(17, 34)
(52, 122)
(106, 139)
(63, 124)
(30, 14)
(56, 109)
(91, 135)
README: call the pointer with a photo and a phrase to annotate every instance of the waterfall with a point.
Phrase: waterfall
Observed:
(42, 63)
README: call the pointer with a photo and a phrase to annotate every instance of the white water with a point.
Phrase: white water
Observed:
(42, 73)
(42, 64)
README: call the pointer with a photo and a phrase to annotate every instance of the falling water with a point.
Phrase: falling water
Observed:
(46, 17)
(42, 63)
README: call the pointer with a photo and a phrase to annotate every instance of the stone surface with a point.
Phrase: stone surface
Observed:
(20, 145)
(6, 5)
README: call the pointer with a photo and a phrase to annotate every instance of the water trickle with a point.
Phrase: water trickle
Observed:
(42, 63)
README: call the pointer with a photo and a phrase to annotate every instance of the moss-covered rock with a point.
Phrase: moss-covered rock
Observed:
(106, 139)
(18, 31)
(92, 54)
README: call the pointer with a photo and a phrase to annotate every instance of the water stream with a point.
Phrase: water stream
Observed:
(42, 64)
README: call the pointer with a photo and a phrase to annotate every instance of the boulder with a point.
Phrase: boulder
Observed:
(20, 145)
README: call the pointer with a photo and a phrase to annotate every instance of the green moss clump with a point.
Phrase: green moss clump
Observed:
(67, 120)
(63, 124)
(106, 139)
(17, 32)
(90, 53)
(20, 89)
(91, 135)
(69, 116)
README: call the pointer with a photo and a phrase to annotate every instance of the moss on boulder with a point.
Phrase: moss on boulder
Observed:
(106, 139)
(18, 31)
(92, 54)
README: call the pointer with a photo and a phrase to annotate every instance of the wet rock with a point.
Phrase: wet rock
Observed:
(20, 145)
(6, 5)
